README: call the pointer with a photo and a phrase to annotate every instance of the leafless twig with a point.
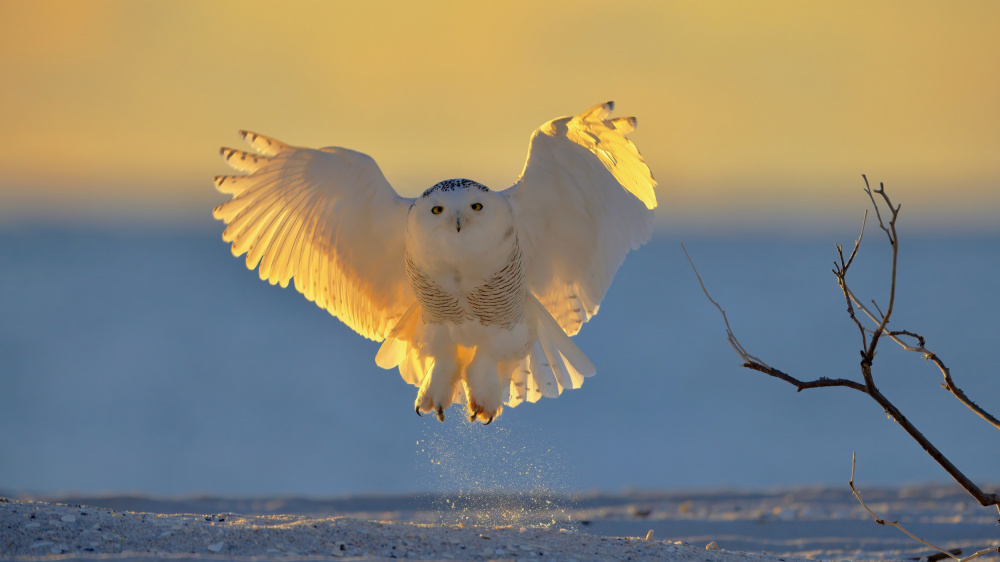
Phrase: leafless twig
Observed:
(751, 362)
(735, 343)
(880, 521)
(949, 383)
(870, 339)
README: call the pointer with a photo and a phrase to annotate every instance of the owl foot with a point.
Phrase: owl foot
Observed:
(483, 392)
(439, 412)
(485, 416)
(425, 405)
(433, 398)
(479, 412)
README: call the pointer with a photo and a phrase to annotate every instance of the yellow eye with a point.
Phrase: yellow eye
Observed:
(477, 206)
(437, 210)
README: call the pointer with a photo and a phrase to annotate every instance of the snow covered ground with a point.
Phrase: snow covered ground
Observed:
(787, 524)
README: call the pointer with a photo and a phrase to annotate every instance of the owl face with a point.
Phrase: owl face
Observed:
(459, 216)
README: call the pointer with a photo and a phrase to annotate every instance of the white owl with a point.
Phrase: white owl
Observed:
(474, 292)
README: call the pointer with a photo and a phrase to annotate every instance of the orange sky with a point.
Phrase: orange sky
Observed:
(750, 113)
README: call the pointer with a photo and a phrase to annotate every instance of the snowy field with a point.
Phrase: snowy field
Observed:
(827, 524)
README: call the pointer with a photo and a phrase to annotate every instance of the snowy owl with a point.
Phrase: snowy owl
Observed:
(473, 292)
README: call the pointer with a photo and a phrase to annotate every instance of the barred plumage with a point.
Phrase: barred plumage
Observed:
(497, 302)
(500, 301)
(437, 305)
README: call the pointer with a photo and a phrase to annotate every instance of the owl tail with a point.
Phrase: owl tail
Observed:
(396, 350)
(554, 362)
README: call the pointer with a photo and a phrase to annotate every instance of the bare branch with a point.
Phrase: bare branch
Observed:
(870, 345)
(735, 343)
(868, 353)
(857, 244)
(841, 273)
(880, 521)
(897, 333)
(889, 230)
(868, 356)
(880, 313)
(751, 362)
(949, 383)
(868, 190)
(802, 385)
(975, 491)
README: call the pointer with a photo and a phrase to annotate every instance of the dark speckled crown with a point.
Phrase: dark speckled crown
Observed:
(455, 185)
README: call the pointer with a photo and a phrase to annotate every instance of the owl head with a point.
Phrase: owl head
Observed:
(458, 214)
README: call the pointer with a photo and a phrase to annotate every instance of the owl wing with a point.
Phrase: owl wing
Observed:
(584, 199)
(327, 218)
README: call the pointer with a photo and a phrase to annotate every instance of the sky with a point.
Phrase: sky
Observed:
(759, 115)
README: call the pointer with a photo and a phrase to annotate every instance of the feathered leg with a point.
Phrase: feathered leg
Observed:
(437, 390)
(484, 393)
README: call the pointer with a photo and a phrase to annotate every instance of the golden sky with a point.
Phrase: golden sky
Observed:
(750, 113)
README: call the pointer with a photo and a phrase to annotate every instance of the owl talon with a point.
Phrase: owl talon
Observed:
(489, 421)
(440, 414)
(475, 413)
(417, 410)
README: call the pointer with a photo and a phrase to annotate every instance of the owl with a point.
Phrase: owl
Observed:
(474, 293)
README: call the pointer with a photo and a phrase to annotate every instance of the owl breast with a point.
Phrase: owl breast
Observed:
(456, 294)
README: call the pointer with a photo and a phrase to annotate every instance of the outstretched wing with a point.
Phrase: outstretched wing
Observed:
(327, 218)
(584, 199)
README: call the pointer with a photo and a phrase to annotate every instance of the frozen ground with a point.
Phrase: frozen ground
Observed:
(786, 524)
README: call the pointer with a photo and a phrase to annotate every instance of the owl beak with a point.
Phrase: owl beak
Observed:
(458, 222)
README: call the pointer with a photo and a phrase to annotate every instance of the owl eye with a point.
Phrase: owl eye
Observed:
(477, 206)
(437, 210)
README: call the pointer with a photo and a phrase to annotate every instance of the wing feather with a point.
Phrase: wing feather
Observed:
(243, 161)
(262, 144)
(543, 372)
(275, 247)
(584, 199)
(327, 219)
(265, 240)
(555, 362)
